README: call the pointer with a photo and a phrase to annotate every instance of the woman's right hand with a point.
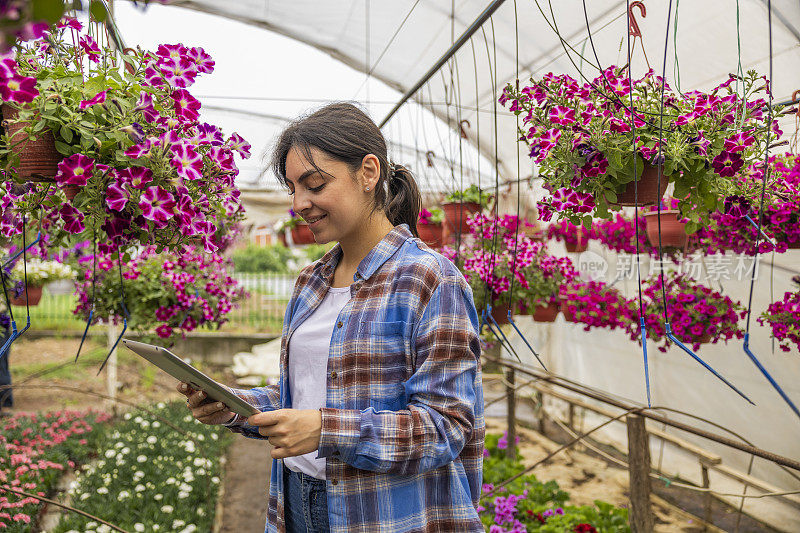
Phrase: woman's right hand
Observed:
(204, 408)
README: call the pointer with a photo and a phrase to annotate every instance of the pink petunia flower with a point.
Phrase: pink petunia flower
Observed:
(99, 98)
(562, 115)
(18, 89)
(171, 51)
(179, 72)
(187, 161)
(201, 59)
(75, 170)
(69, 22)
(157, 205)
(136, 177)
(186, 105)
(116, 197)
(239, 145)
(73, 219)
(90, 47)
(164, 331)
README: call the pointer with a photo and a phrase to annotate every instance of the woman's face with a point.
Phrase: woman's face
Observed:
(331, 200)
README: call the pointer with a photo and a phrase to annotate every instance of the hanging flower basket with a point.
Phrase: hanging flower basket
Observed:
(546, 313)
(301, 234)
(34, 295)
(648, 191)
(431, 234)
(565, 310)
(500, 313)
(673, 230)
(38, 158)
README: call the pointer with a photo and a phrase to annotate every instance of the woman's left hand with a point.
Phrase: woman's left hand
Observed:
(292, 432)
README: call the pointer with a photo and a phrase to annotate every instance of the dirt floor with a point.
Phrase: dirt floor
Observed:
(46, 378)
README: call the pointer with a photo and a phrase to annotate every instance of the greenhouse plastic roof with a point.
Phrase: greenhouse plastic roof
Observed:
(407, 37)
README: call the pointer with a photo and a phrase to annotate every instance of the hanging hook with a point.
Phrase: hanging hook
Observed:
(429, 155)
(795, 96)
(633, 26)
(461, 127)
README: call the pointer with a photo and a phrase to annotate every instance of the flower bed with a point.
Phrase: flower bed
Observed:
(527, 504)
(34, 452)
(153, 477)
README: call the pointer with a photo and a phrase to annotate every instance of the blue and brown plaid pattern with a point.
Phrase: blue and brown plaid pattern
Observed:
(403, 425)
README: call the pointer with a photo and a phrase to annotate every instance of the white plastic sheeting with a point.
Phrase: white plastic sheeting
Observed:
(399, 41)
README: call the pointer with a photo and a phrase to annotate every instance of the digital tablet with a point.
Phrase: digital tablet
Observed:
(177, 368)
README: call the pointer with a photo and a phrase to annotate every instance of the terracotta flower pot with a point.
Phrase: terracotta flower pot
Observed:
(546, 313)
(500, 313)
(34, 296)
(673, 232)
(455, 215)
(431, 234)
(301, 234)
(70, 191)
(581, 245)
(282, 237)
(38, 159)
(649, 192)
(565, 311)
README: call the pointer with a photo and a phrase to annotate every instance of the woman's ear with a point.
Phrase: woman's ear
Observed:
(370, 172)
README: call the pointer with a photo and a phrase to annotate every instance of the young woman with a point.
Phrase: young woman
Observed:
(377, 424)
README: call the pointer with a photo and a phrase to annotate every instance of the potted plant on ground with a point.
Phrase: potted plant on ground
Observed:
(576, 238)
(581, 135)
(783, 317)
(697, 314)
(31, 275)
(458, 206)
(429, 226)
(166, 293)
(144, 169)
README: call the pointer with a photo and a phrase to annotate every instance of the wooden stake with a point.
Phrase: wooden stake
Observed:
(641, 517)
(511, 415)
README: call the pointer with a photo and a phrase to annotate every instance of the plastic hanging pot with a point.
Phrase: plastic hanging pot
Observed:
(34, 296)
(673, 231)
(649, 192)
(546, 313)
(455, 216)
(431, 234)
(38, 158)
(568, 316)
(500, 313)
(301, 234)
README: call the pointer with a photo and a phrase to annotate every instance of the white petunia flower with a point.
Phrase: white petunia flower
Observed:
(158, 497)
(215, 479)
(124, 494)
(152, 439)
(84, 496)
(110, 453)
(142, 458)
(138, 527)
(139, 488)
(102, 490)
(178, 523)
(167, 509)
(156, 424)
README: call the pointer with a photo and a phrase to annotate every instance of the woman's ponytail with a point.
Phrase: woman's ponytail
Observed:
(404, 199)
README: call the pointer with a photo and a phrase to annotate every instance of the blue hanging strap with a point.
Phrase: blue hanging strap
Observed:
(23, 250)
(125, 316)
(643, 333)
(761, 231)
(536, 355)
(94, 285)
(767, 375)
(15, 334)
(705, 365)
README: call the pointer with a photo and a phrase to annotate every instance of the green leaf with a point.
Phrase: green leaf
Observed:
(98, 11)
(587, 221)
(49, 10)
(66, 133)
(63, 148)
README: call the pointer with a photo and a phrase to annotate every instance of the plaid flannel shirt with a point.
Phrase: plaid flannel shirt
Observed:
(403, 426)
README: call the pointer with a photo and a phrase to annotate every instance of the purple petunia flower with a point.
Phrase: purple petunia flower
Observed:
(75, 170)
(157, 205)
(727, 164)
(116, 197)
(99, 98)
(187, 161)
(73, 219)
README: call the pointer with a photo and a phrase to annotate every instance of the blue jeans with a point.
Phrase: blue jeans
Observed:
(305, 503)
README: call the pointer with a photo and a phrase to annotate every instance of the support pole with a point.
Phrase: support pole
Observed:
(111, 367)
(511, 414)
(641, 517)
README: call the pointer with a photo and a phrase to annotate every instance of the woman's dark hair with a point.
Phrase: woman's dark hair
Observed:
(345, 133)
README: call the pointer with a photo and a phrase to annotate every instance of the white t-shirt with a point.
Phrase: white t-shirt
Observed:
(308, 368)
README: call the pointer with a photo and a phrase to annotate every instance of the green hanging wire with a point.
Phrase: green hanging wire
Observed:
(676, 68)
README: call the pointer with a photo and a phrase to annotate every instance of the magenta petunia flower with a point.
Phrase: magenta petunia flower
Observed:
(727, 164)
(562, 115)
(99, 98)
(153, 77)
(136, 177)
(179, 72)
(116, 197)
(164, 331)
(739, 142)
(73, 219)
(145, 105)
(69, 22)
(157, 205)
(187, 161)
(186, 105)
(75, 170)
(90, 48)
(201, 59)
(18, 89)
(208, 134)
(239, 145)
(171, 51)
